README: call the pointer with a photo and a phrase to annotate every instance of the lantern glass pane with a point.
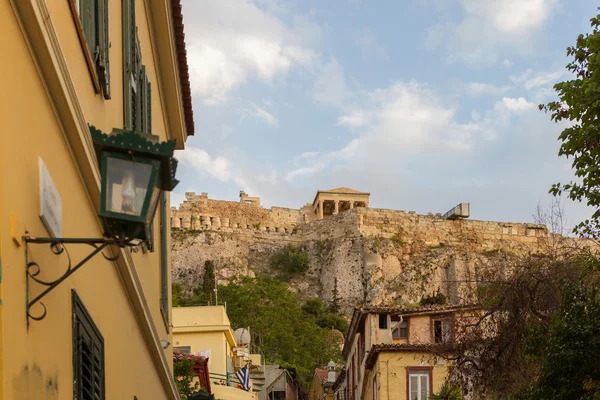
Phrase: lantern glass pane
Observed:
(127, 184)
(153, 204)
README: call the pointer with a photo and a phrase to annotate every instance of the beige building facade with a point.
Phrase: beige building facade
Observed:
(105, 329)
(388, 352)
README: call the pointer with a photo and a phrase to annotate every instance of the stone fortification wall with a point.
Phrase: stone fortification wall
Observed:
(202, 213)
(375, 256)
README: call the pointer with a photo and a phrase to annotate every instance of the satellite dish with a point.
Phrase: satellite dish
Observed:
(242, 336)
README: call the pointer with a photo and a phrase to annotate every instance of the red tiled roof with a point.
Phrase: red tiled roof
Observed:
(396, 348)
(321, 373)
(184, 75)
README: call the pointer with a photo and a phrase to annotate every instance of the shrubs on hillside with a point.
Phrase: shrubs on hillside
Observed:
(290, 261)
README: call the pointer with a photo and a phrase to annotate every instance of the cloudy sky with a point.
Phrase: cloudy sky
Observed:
(423, 103)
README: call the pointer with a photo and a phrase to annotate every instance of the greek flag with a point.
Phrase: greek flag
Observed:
(244, 377)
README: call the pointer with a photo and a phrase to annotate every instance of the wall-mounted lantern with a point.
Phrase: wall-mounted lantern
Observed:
(134, 170)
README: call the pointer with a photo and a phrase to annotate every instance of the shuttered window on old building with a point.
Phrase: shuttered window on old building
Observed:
(88, 355)
(137, 90)
(93, 24)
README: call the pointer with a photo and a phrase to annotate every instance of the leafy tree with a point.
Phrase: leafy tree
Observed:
(183, 371)
(438, 298)
(208, 281)
(290, 261)
(335, 307)
(448, 392)
(325, 318)
(579, 104)
(569, 348)
(281, 330)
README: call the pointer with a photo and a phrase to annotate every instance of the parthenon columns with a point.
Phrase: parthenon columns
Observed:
(336, 208)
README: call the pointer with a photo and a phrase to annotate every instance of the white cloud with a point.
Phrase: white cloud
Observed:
(229, 42)
(507, 63)
(517, 104)
(330, 86)
(539, 84)
(489, 28)
(477, 89)
(259, 113)
(367, 43)
(201, 162)
(406, 121)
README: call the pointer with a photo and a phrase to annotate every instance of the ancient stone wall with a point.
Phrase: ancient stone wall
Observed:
(375, 256)
(202, 213)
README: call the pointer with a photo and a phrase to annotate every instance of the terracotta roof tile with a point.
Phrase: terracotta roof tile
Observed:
(184, 75)
(321, 373)
(396, 348)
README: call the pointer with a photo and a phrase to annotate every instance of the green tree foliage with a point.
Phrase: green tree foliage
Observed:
(568, 349)
(290, 261)
(579, 104)
(208, 281)
(438, 298)
(183, 371)
(546, 324)
(325, 317)
(448, 392)
(281, 330)
(335, 307)
(201, 295)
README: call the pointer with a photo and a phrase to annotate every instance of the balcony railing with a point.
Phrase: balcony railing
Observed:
(229, 379)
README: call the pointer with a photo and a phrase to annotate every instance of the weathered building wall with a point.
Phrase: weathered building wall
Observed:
(374, 256)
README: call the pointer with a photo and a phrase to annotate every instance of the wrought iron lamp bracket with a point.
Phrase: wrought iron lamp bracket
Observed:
(57, 246)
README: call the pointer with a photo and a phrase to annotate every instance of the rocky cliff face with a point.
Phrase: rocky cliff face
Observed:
(374, 256)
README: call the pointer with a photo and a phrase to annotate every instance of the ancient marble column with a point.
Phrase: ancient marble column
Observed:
(175, 222)
(225, 222)
(320, 209)
(205, 220)
(351, 204)
(216, 222)
(336, 208)
(186, 222)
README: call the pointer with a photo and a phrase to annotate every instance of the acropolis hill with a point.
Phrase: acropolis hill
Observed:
(376, 256)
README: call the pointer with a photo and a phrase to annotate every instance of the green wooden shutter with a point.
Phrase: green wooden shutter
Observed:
(164, 256)
(148, 106)
(88, 14)
(129, 36)
(142, 100)
(103, 63)
(145, 102)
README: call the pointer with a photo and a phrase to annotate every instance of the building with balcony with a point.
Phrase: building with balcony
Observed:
(206, 331)
(388, 352)
(102, 331)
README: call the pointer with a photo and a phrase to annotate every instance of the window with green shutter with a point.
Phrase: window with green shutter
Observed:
(88, 354)
(164, 257)
(92, 25)
(137, 93)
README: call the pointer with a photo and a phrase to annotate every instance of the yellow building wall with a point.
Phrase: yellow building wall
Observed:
(37, 361)
(316, 390)
(215, 341)
(390, 374)
(202, 328)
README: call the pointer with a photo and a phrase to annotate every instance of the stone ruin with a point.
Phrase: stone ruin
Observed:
(202, 213)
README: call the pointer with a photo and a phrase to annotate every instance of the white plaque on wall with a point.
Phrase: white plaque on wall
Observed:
(50, 202)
